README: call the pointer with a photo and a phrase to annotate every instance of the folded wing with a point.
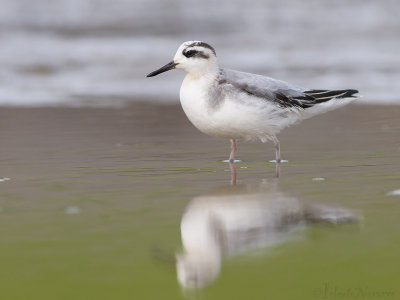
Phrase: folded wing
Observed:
(279, 92)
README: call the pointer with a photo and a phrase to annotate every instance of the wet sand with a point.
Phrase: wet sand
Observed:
(128, 174)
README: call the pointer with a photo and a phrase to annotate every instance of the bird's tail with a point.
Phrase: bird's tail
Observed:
(322, 101)
(319, 96)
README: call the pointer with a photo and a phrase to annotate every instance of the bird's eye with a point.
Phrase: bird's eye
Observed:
(190, 53)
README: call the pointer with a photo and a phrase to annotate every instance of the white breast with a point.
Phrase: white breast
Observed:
(247, 118)
(196, 105)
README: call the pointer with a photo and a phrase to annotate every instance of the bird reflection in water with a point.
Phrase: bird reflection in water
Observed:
(235, 219)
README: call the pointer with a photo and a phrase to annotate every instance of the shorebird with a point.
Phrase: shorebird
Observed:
(238, 105)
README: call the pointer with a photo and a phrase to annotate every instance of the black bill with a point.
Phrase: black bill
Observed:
(169, 66)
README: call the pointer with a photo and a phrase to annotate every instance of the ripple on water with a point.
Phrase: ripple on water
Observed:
(318, 179)
(235, 161)
(394, 193)
(72, 210)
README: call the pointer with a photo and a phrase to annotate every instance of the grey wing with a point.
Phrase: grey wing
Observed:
(279, 92)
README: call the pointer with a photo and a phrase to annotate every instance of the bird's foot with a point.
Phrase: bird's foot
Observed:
(279, 161)
(231, 161)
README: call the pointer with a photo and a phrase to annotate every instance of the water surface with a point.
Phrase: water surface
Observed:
(95, 199)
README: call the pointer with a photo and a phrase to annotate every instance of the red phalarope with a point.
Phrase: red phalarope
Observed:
(237, 105)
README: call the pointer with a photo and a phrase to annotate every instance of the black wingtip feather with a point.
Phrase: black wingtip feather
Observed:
(313, 97)
(326, 94)
(349, 93)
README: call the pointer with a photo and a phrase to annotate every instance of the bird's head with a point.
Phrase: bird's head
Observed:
(192, 57)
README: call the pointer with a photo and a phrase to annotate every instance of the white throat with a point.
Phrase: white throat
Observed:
(209, 70)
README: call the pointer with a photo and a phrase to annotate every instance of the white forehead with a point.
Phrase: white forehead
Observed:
(196, 45)
(187, 44)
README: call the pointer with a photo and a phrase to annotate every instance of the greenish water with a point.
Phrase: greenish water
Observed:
(95, 199)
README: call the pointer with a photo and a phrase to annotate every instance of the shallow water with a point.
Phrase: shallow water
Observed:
(95, 198)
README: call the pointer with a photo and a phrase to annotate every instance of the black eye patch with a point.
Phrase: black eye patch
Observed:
(190, 53)
(195, 53)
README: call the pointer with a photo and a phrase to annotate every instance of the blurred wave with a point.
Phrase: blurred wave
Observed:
(97, 52)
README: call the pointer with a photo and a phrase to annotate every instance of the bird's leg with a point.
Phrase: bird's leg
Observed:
(277, 156)
(277, 149)
(232, 161)
(233, 151)
(277, 170)
(233, 173)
